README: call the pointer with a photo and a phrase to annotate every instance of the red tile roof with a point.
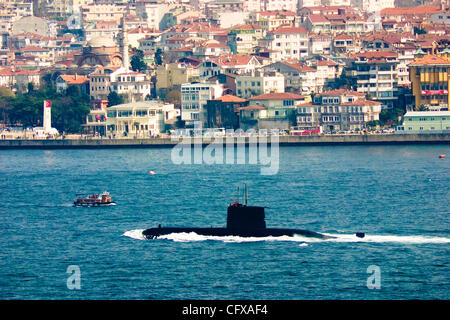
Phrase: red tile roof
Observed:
(430, 60)
(232, 60)
(299, 67)
(246, 27)
(411, 11)
(361, 102)
(317, 18)
(326, 63)
(230, 98)
(74, 79)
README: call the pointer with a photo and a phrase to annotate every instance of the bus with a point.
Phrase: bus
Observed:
(306, 131)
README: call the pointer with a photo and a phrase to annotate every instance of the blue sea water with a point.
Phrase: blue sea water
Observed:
(397, 195)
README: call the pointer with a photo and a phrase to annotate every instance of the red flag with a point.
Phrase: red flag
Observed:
(48, 103)
(98, 117)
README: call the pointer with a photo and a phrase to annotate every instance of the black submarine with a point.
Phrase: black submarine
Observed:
(243, 221)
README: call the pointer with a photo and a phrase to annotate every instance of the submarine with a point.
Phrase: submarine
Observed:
(242, 221)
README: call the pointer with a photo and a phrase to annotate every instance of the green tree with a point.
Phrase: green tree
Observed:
(373, 123)
(419, 31)
(69, 109)
(158, 56)
(138, 64)
(6, 100)
(115, 99)
(422, 107)
(69, 112)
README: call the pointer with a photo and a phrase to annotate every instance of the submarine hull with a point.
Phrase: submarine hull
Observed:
(154, 233)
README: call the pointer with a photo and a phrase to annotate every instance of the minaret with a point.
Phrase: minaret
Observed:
(125, 57)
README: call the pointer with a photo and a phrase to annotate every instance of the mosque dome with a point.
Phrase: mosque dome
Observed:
(98, 42)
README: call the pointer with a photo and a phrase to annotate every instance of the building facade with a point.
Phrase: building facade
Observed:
(194, 97)
(425, 122)
(139, 119)
(430, 80)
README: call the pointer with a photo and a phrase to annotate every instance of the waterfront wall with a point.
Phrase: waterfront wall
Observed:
(283, 140)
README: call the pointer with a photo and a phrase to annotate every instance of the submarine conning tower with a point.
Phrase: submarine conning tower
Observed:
(245, 217)
(242, 216)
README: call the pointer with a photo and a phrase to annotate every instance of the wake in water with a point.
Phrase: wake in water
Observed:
(192, 236)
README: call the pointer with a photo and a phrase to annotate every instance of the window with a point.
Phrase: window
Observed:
(141, 113)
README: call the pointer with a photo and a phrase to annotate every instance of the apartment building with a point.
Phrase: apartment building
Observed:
(194, 98)
(429, 75)
(376, 75)
(338, 110)
(291, 42)
(134, 86)
(151, 11)
(259, 83)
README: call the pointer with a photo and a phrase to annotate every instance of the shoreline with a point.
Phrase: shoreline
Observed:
(385, 139)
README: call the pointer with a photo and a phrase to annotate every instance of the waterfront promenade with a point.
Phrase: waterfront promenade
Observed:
(356, 139)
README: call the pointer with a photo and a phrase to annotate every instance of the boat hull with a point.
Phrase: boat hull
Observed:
(93, 204)
(154, 233)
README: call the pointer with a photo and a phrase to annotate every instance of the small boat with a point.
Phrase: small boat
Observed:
(94, 200)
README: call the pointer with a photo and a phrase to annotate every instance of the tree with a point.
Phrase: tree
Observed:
(373, 123)
(69, 109)
(115, 99)
(6, 99)
(173, 96)
(68, 113)
(6, 93)
(419, 31)
(390, 115)
(158, 56)
(344, 81)
(138, 64)
(422, 107)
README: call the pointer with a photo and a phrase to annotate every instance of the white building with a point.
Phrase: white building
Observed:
(272, 5)
(373, 5)
(135, 86)
(151, 11)
(292, 42)
(309, 3)
(139, 119)
(101, 12)
(298, 78)
(194, 97)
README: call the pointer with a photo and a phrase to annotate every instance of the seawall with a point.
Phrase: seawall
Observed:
(443, 138)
